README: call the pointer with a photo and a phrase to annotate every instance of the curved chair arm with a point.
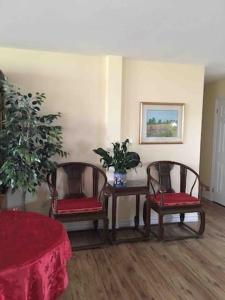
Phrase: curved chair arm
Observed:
(201, 184)
(102, 198)
(162, 189)
(151, 180)
(53, 191)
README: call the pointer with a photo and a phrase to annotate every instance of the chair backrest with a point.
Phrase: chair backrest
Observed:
(76, 180)
(162, 172)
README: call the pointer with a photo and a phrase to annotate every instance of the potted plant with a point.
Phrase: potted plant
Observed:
(28, 141)
(3, 188)
(121, 159)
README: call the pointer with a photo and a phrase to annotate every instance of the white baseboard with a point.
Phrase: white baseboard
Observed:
(191, 217)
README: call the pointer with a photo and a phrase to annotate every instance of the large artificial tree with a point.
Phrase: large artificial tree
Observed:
(28, 141)
(3, 188)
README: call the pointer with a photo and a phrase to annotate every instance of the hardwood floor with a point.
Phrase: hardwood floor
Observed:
(187, 269)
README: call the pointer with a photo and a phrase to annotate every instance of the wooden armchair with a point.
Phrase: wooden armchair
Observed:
(166, 198)
(77, 194)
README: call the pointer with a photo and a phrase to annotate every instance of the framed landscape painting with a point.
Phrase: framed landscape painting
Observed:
(161, 123)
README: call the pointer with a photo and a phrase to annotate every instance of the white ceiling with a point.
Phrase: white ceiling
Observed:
(184, 31)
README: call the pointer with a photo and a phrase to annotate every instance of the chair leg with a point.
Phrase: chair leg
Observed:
(50, 214)
(202, 222)
(144, 212)
(95, 222)
(182, 216)
(161, 228)
(105, 230)
(147, 218)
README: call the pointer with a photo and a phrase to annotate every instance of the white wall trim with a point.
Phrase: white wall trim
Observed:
(215, 128)
(214, 149)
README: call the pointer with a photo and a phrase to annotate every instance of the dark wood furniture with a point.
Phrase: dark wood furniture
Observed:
(165, 201)
(77, 194)
(134, 188)
(159, 271)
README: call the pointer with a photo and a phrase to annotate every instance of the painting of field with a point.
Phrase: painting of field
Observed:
(162, 123)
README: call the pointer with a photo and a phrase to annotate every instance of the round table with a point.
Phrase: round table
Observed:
(34, 251)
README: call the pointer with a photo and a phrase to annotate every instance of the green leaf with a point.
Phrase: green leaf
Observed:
(28, 140)
(121, 159)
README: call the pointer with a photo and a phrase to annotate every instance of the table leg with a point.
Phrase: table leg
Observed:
(114, 202)
(136, 218)
(106, 203)
(148, 218)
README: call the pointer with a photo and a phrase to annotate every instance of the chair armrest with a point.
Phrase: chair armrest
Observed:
(162, 189)
(103, 198)
(54, 195)
(105, 202)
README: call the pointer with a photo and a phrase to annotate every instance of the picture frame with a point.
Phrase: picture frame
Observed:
(161, 123)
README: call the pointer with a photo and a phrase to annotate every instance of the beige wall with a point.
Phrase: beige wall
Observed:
(211, 92)
(84, 89)
(161, 82)
(113, 98)
(74, 85)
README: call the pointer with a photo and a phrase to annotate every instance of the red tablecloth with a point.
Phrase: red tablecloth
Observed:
(34, 251)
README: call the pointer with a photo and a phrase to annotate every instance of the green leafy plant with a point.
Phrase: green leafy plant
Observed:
(28, 141)
(3, 188)
(121, 159)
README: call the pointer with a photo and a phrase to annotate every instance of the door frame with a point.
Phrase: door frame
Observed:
(215, 129)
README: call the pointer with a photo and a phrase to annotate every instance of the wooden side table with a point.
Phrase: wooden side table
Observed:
(134, 188)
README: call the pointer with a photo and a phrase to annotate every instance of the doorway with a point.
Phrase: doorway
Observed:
(218, 163)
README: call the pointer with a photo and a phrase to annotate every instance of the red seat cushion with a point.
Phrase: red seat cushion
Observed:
(80, 205)
(175, 199)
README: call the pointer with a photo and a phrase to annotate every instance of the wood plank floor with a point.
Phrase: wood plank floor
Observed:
(187, 269)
